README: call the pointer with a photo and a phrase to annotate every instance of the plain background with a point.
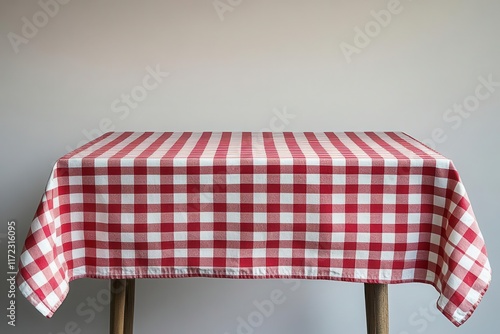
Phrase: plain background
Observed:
(234, 74)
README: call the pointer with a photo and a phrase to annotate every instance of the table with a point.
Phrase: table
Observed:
(371, 207)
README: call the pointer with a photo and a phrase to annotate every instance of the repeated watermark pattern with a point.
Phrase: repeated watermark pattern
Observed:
(88, 310)
(223, 6)
(123, 105)
(420, 319)
(264, 309)
(371, 30)
(459, 111)
(11, 272)
(31, 26)
(278, 122)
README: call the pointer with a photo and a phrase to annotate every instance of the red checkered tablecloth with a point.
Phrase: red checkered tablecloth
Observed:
(363, 207)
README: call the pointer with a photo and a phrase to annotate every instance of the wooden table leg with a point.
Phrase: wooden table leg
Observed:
(122, 306)
(129, 307)
(377, 308)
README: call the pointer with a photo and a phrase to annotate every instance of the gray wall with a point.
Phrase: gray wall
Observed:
(234, 71)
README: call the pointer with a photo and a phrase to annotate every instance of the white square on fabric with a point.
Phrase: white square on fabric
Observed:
(313, 217)
(312, 236)
(415, 179)
(364, 179)
(154, 254)
(286, 178)
(154, 198)
(364, 218)
(180, 198)
(206, 179)
(233, 236)
(128, 254)
(362, 255)
(312, 198)
(286, 198)
(388, 237)
(338, 198)
(127, 218)
(52, 299)
(233, 198)
(260, 178)
(363, 198)
(259, 253)
(207, 253)
(286, 235)
(76, 198)
(259, 198)
(153, 236)
(259, 236)
(260, 217)
(101, 236)
(180, 252)
(102, 253)
(127, 199)
(414, 218)
(389, 199)
(127, 162)
(76, 216)
(286, 217)
(101, 180)
(75, 180)
(206, 217)
(386, 256)
(180, 217)
(414, 198)
(233, 178)
(206, 235)
(180, 162)
(154, 179)
(233, 217)
(127, 179)
(180, 179)
(338, 217)
(312, 179)
(206, 197)
(390, 179)
(127, 237)
(180, 236)
(285, 253)
(44, 246)
(385, 274)
(361, 273)
(388, 218)
(412, 237)
(363, 237)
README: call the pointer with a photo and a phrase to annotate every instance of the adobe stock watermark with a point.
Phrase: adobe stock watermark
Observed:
(363, 37)
(223, 6)
(88, 310)
(264, 309)
(127, 102)
(11, 273)
(456, 114)
(31, 26)
(419, 320)
(278, 122)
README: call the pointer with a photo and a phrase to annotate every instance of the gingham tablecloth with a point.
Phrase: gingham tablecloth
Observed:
(361, 207)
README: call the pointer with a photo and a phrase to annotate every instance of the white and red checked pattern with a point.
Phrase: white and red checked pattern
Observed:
(364, 207)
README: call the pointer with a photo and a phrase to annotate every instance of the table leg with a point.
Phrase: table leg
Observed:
(377, 308)
(122, 306)
(129, 307)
